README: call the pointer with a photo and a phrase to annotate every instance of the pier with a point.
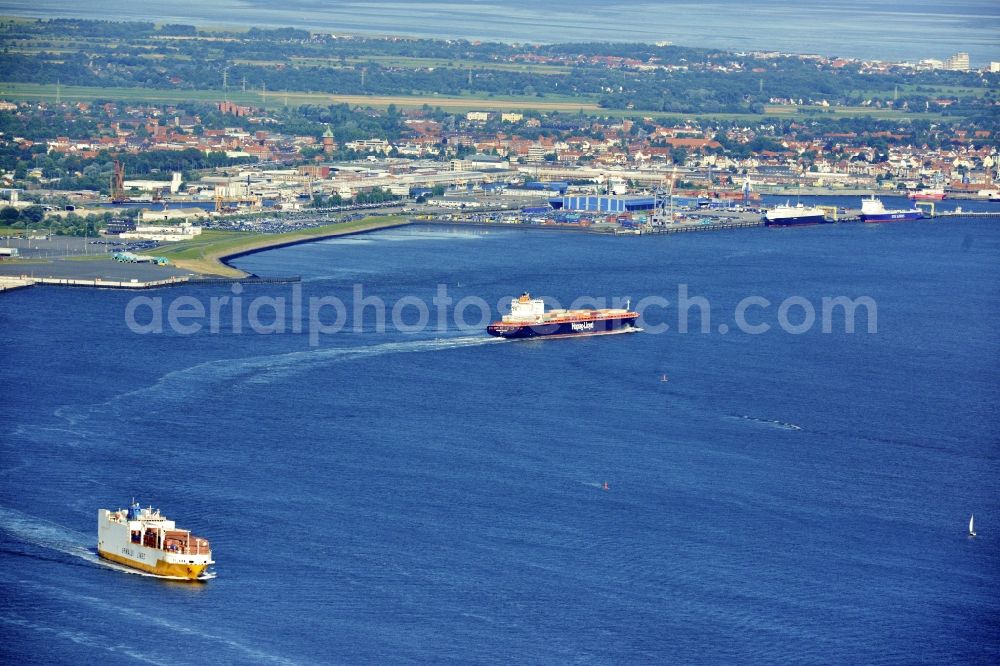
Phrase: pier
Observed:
(99, 283)
(704, 226)
(10, 283)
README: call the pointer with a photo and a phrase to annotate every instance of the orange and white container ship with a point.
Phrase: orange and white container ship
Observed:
(145, 539)
(528, 319)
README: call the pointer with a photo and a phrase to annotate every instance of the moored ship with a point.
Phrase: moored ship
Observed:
(528, 319)
(145, 539)
(788, 215)
(873, 210)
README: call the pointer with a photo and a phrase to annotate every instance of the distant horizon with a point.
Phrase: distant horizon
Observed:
(851, 28)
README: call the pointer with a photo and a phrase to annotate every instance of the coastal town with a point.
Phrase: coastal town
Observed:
(473, 160)
(608, 159)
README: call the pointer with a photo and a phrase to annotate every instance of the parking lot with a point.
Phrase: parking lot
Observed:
(42, 246)
(79, 258)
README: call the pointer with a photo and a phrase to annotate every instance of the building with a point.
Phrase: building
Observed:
(171, 215)
(329, 145)
(603, 204)
(177, 232)
(536, 153)
(234, 109)
(172, 185)
(115, 227)
(477, 116)
(958, 62)
(511, 117)
(370, 146)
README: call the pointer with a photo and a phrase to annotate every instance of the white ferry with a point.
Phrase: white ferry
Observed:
(145, 539)
(787, 215)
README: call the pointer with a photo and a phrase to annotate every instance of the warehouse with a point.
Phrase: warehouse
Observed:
(603, 204)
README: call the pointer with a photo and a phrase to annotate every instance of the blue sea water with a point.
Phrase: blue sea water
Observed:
(877, 29)
(388, 497)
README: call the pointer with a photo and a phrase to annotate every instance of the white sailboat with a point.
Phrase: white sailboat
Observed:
(972, 531)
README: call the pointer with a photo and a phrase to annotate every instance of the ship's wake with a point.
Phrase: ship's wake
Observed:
(179, 386)
(773, 423)
(45, 534)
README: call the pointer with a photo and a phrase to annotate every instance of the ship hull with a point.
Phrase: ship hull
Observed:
(903, 216)
(565, 329)
(794, 221)
(159, 568)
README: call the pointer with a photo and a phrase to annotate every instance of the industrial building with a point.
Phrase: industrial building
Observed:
(183, 231)
(603, 204)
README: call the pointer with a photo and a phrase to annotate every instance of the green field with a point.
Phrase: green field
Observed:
(415, 63)
(917, 89)
(48, 92)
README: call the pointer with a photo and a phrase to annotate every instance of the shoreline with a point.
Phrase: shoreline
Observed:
(206, 260)
(225, 259)
(210, 258)
(362, 27)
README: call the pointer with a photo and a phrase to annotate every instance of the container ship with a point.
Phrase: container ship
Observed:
(145, 539)
(787, 215)
(528, 319)
(873, 210)
(928, 195)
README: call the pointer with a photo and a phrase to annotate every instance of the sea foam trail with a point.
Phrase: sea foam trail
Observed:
(52, 536)
(86, 639)
(46, 534)
(179, 385)
(773, 423)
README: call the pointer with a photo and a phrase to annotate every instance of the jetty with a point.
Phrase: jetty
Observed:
(9, 283)
(714, 225)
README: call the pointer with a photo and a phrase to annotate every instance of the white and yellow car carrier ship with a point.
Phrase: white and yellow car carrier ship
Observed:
(145, 539)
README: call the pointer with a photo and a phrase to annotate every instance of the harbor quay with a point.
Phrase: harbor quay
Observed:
(37, 258)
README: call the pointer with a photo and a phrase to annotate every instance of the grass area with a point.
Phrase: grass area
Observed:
(205, 253)
(790, 113)
(924, 89)
(104, 256)
(41, 91)
(848, 111)
(415, 63)
(33, 51)
(36, 91)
